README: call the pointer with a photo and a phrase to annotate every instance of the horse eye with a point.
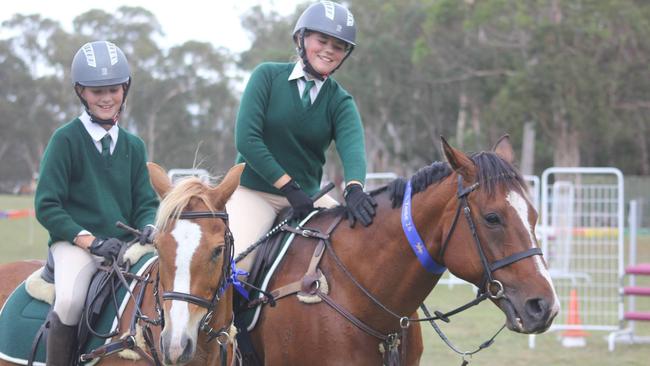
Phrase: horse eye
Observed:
(492, 219)
(217, 252)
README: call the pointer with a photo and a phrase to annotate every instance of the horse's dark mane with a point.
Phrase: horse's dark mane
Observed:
(492, 171)
(423, 178)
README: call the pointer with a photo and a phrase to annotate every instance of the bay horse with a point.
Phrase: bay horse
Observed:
(471, 216)
(189, 299)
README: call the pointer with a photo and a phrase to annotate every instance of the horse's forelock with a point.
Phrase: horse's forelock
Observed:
(178, 198)
(494, 171)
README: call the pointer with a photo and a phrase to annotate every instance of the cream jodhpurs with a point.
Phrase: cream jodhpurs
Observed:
(74, 267)
(252, 213)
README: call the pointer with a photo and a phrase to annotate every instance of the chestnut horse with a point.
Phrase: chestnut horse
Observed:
(192, 275)
(473, 217)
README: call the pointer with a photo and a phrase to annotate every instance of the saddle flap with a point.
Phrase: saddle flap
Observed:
(22, 316)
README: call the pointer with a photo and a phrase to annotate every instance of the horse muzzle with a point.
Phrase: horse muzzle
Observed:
(535, 315)
(177, 350)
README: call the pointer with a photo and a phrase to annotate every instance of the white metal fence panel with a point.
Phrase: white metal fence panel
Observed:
(582, 239)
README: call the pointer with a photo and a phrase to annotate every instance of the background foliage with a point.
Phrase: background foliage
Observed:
(574, 72)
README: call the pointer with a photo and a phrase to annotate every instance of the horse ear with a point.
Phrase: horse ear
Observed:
(459, 162)
(503, 148)
(221, 193)
(159, 179)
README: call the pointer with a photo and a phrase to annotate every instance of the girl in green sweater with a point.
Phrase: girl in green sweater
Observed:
(92, 175)
(289, 115)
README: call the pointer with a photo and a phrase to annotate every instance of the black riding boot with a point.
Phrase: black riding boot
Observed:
(61, 341)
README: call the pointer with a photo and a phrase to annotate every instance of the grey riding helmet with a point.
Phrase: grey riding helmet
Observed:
(100, 63)
(329, 18)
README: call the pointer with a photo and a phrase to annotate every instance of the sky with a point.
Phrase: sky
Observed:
(214, 21)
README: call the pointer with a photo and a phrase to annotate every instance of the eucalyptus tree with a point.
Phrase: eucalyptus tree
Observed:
(574, 69)
(31, 91)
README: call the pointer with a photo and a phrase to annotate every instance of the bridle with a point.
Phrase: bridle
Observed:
(489, 287)
(492, 287)
(221, 335)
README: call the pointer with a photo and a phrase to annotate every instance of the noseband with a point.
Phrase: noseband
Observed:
(492, 287)
(226, 272)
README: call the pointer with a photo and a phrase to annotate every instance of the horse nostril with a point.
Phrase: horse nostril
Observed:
(187, 350)
(537, 308)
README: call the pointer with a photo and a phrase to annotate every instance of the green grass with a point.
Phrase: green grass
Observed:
(22, 238)
(25, 238)
(469, 329)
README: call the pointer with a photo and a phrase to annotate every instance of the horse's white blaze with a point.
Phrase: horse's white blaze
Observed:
(520, 205)
(188, 237)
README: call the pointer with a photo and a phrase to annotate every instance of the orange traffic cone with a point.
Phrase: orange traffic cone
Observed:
(574, 337)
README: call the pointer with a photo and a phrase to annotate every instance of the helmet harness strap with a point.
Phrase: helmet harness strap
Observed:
(95, 119)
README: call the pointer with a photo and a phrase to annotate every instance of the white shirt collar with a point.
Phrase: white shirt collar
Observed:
(298, 73)
(97, 132)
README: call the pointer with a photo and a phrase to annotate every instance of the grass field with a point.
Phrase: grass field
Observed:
(21, 238)
(25, 238)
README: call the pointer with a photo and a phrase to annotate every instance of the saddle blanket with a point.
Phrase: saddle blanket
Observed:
(22, 316)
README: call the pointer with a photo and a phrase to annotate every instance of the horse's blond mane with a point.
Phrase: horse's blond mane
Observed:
(178, 198)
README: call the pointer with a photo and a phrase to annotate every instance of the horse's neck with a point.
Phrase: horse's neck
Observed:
(385, 262)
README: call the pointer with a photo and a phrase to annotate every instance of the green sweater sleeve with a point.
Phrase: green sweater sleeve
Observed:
(145, 199)
(350, 141)
(249, 129)
(53, 189)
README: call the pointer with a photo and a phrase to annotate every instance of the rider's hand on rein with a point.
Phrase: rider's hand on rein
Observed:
(107, 248)
(147, 234)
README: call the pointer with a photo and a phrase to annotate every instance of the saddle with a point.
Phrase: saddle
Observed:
(23, 317)
(270, 254)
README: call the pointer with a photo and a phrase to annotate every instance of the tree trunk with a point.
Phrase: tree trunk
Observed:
(528, 149)
(566, 152)
(476, 122)
(642, 142)
(462, 119)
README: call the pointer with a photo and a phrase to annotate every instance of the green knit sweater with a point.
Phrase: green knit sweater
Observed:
(79, 190)
(275, 134)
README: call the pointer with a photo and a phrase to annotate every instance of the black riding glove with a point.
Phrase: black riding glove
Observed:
(300, 202)
(107, 248)
(360, 206)
(147, 234)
